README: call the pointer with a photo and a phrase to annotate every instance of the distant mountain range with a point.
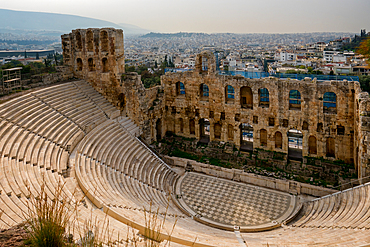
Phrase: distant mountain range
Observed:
(18, 21)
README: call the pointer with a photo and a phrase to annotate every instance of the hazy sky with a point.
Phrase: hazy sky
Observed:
(236, 16)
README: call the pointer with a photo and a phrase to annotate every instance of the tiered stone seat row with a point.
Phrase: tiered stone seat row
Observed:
(121, 176)
(97, 98)
(296, 236)
(129, 125)
(347, 209)
(115, 155)
(36, 135)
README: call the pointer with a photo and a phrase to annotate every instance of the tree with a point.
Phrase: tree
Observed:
(365, 83)
(364, 49)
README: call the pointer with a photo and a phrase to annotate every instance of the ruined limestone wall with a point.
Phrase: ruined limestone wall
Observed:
(362, 144)
(337, 125)
(143, 106)
(97, 56)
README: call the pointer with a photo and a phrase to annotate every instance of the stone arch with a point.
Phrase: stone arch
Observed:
(79, 64)
(330, 147)
(320, 127)
(121, 100)
(263, 97)
(181, 125)
(158, 128)
(330, 102)
(180, 88)
(295, 145)
(229, 94)
(217, 130)
(204, 130)
(246, 137)
(294, 100)
(263, 137)
(246, 97)
(90, 41)
(78, 41)
(230, 132)
(192, 126)
(312, 145)
(104, 41)
(205, 62)
(91, 64)
(105, 65)
(204, 91)
(278, 140)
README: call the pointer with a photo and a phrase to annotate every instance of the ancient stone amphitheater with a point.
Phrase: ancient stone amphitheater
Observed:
(71, 133)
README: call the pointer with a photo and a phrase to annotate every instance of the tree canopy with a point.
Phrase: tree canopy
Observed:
(364, 48)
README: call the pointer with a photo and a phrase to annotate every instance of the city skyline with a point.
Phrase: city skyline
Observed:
(236, 16)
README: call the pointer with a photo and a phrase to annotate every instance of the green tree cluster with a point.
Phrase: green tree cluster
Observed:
(365, 83)
(149, 78)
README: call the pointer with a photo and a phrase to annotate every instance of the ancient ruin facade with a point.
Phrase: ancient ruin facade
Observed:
(97, 56)
(308, 118)
(301, 118)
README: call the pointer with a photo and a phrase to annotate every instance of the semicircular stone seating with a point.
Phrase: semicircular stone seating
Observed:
(70, 134)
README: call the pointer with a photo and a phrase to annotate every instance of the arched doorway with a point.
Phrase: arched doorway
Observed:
(295, 144)
(158, 128)
(204, 130)
(246, 137)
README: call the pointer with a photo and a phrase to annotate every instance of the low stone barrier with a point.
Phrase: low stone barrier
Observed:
(289, 186)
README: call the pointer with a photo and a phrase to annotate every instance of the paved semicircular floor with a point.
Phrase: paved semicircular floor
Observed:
(231, 203)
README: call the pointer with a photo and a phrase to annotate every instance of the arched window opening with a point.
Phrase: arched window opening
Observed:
(78, 41)
(105, 65)
(204, 64)
(204, 130)
(330, 147)
(79, 64)
(230, 94)
(104, 41)
(263, 137)
(340, 130)
(180, 88)
(264, 97)
(90, 63)
(295, 144)
(192, 126)
(294, 100)
(320, 127)
(246, 97)
(312, 146)
(230, 132)
(204, 91)
(246, 137)
(90, 41)
(305, 125)
(278, 140)
(330, 102)
(217, 130)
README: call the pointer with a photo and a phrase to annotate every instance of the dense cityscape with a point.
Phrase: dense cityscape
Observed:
(320, 53)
